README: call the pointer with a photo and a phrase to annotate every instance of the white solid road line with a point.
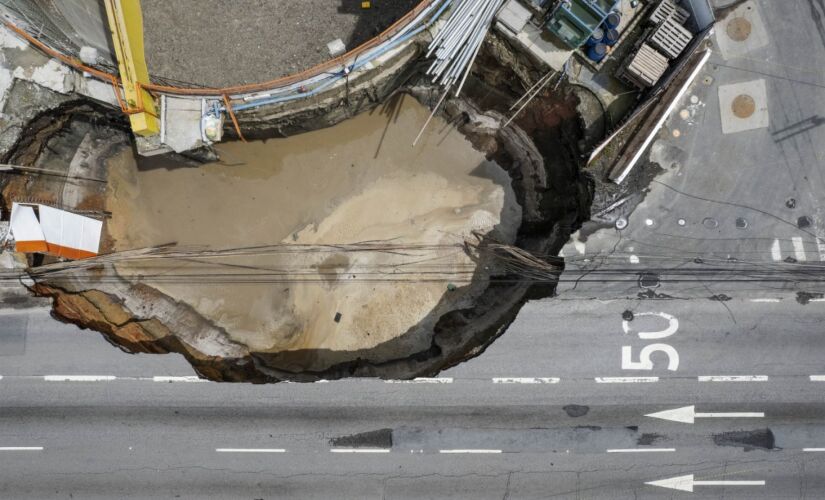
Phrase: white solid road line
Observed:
(799, 248)
(359, 450)
(814, 450)
(423, 380)
(733, 378)
(79, 378)
(250, 450)
(817, 378)
(766, 300)
(641, 450)
(626, 380)
(21, 448)
(470, 451)
(189, 378)
(526, 380)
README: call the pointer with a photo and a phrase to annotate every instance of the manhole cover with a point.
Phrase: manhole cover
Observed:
(741, 223)
(804, 222)
(649, 280)
(743, 106)
(710, 223)
(739, 29)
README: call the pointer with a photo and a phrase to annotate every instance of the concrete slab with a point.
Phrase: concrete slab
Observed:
(741, 32)
(545, 50)
(182, 124)
(743, 106)
(514, 16)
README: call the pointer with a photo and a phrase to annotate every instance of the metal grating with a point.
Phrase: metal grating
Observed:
(668, 9)
(670, 38)
(645, 67)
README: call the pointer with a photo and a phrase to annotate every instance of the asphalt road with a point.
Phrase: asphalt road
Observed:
(547, 412)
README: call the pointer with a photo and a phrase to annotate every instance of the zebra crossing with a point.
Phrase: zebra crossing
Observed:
(795, 249)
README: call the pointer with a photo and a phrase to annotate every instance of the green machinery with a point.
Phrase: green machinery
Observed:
(574, 21)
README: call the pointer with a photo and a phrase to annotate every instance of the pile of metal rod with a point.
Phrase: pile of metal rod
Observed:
(457, 43)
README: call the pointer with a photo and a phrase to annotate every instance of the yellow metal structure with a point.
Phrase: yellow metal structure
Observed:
(126, 25)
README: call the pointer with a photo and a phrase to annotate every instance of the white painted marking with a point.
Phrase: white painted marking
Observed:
(469, 451)
(686, 483)
(733, 378)
(359, 450)
(672, 325)
(641, 450)
(526, 380)
(634, 259)
(423, 380)
(21, 448)
(799, 248)
(79, 378)
(250, 450)
(817, 300)
(766, 300)
(817, 378)
(776, 251)
(820, 246)
(814, 450)
(189, 378)
(626, 380)
(688, 414)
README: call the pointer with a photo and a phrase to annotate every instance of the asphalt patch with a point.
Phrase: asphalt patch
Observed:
(805, 298)
(382, 438)
(648, 438)
(576, 411)
(759, 439)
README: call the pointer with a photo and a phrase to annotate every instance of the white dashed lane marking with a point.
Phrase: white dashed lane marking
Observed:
(250, 450)
(190, 378)
(526, 380)
(626, 380)
(817, 378)
(479, 451)
(359, 450)
(641, 450)
(21, 448)
(733, 378)
(79, 378)
(423, 380)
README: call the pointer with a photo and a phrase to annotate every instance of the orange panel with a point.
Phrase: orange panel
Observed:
(31, 246)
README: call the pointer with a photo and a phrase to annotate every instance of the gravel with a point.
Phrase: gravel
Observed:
(219, 43)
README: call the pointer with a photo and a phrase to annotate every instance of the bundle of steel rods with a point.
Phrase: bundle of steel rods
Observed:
(458, 41)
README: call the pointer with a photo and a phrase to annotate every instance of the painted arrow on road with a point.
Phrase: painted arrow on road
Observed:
(686, 483)
(688, 414)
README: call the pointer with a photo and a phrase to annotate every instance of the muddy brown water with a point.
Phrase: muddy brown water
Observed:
(360, 181)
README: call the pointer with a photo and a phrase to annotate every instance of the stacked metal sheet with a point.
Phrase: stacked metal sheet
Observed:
(670, 38)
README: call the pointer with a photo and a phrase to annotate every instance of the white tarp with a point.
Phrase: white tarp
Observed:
(26, 229)
(57, 232)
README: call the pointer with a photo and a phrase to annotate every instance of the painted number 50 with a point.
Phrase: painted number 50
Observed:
(645, 362)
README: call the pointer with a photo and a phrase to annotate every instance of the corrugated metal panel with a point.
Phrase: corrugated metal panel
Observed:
(670, 38)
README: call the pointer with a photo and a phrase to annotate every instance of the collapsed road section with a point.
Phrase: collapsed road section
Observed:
(334, 248)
